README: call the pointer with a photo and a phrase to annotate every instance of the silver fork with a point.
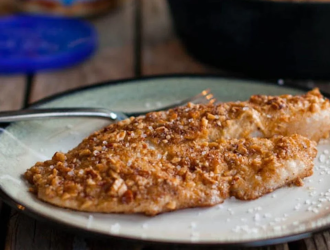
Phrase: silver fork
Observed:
(28, 114)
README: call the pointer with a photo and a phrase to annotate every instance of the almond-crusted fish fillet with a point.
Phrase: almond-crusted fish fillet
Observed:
(187, 157)
(142, 178)
(307, 115)
(261, 116)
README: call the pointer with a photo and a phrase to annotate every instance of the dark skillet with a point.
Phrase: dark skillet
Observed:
(257, 38)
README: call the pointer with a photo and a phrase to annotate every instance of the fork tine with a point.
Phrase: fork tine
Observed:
(199, 97)
(204, 97)
(205, 92)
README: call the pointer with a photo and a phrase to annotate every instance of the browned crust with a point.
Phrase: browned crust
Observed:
(187, 175)
(185, 157)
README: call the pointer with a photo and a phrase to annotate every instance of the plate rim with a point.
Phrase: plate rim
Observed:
(93, 234)
(261, 81)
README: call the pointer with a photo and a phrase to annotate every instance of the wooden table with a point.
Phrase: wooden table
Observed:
(136, 39)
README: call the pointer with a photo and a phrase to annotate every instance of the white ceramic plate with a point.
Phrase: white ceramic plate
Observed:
(286, 214)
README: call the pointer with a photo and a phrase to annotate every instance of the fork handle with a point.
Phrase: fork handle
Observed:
(28, 114)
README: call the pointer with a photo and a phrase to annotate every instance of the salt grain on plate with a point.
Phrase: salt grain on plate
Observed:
(315, 210)
(250, 210)
(254, 230)
(322, 158)
(220, 206)
(90, 221)
(245, 228)
(115, 228)
(257, 217)
(193, 225)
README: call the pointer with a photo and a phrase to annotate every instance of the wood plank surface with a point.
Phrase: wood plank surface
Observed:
(280, 247)
(162, 53)
(326, 236)
(12, 92)
(12, 89)
(6, 7)
(113, 60)
(320, 242)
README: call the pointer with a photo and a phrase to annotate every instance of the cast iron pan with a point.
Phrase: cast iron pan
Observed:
(259, 38)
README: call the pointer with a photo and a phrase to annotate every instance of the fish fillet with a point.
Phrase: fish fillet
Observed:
(147, 179)
(261, 116)
(190, 156)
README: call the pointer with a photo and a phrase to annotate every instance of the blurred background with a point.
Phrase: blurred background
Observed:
(81, 43)
(243, 38)
(135, 38)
